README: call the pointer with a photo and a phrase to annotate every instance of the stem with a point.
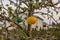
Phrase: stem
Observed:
(31, 10)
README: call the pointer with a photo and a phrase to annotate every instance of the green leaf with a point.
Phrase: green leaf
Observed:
(21, 33)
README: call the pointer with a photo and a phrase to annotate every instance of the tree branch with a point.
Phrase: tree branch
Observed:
(10, 21)
(48, 15)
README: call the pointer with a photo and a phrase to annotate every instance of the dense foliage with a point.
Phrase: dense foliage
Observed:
(14, 16)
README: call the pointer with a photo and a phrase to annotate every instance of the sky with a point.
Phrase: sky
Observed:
(43, 10)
